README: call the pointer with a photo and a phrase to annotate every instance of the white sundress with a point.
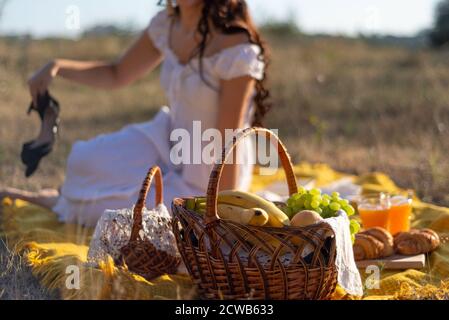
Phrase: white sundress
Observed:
(107, 171)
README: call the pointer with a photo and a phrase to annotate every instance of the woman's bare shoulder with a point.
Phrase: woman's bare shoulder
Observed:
(226, 41)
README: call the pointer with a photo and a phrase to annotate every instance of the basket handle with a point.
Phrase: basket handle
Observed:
(214, 180)
(137, 225)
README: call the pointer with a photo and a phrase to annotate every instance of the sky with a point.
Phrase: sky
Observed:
(69, 17)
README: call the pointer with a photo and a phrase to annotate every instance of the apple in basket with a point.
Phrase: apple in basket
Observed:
(306, 218)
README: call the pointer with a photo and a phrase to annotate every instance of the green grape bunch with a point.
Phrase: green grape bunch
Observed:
(325, 205)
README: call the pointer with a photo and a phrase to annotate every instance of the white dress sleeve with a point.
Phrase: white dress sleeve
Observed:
(158, 30)
(239, 61)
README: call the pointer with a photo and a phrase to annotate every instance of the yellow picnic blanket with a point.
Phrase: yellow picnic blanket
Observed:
(57, 252)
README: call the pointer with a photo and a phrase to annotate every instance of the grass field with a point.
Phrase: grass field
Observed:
(16, 280)
(355, 106)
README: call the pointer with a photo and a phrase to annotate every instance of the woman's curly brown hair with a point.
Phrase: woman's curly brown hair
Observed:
(232, 17)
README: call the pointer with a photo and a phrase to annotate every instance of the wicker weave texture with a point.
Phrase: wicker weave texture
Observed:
(228, 260)
(140, 255)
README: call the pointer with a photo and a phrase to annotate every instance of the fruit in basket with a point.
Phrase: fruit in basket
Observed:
(259, 217)
(303, 219)
(254, 216)
(251, 216)
(327, 206)
(306, 218)
(276, 217)
(191, 203)
(197, 204)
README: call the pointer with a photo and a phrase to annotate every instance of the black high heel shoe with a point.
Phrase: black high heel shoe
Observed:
(32, 155)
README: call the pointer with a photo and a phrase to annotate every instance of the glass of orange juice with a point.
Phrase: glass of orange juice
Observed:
(400, 214)
(374, 210)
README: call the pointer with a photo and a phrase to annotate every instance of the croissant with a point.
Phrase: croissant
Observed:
(383, 236)
(366, 247)
(416, 242)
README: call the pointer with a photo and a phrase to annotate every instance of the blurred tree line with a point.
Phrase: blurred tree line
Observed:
(272, 27)
(281, 28)
(439, 35)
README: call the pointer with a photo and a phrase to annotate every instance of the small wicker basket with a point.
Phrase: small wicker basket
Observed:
(227, 260)
(140, 255)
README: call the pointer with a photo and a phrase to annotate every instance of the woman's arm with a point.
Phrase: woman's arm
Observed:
(139, 59)
(234, 100)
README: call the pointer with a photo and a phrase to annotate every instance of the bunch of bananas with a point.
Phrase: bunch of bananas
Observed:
(243, 207)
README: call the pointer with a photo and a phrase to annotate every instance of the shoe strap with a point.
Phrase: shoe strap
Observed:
(43, 102)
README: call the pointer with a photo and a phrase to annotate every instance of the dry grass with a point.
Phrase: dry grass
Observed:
(355, 106)
(362, 108)
(16, 280)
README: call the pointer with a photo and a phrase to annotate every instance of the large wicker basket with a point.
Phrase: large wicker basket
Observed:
(140, 255)
(227, 260)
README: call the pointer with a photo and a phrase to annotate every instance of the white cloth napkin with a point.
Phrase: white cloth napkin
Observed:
(346, 187)
(348, 274)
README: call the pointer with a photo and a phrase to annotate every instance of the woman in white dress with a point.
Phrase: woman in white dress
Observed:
(213, 71)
